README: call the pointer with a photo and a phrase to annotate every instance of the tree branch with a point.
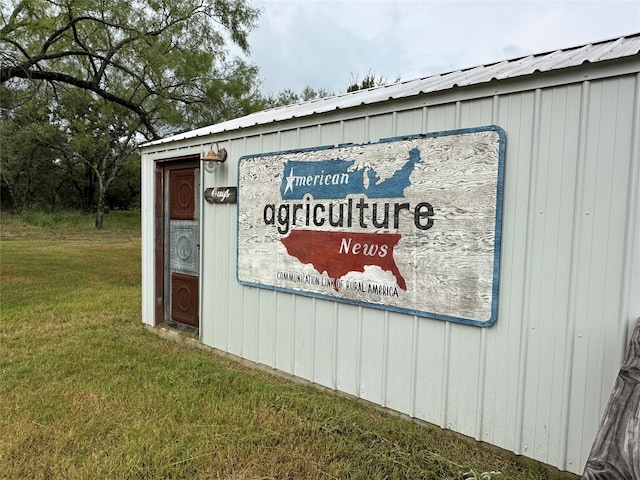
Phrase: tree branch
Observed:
(76, 82)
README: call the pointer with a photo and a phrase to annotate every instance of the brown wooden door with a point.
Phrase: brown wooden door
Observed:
(182, 246)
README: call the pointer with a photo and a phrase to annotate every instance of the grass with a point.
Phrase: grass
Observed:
(70, 226)
(87, 392)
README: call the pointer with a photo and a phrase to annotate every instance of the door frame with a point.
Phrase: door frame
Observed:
(162, 310)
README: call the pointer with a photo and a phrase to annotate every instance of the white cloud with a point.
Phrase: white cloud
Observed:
(323, 44)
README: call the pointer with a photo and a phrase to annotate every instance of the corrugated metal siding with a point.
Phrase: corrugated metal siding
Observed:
(537, 381)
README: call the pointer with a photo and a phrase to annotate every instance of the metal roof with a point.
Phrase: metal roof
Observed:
(543, 62)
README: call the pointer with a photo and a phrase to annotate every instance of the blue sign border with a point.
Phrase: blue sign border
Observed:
(497, 234)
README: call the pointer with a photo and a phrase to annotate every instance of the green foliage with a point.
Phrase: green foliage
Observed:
(290, 97)
(64, 150)
(30, 173)
(124, 193)
(98, 140)
(82, 82)
(40, 219)
(369, 81)
(233, 95)
(157, 58)
(69, 225)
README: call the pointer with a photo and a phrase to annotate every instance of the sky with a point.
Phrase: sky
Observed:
(329, 44)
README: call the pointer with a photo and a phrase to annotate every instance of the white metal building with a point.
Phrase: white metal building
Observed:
(536, 379)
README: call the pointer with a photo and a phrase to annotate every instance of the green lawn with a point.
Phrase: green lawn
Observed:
(87, 392)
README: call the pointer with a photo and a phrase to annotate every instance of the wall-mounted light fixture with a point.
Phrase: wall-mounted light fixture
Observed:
(212, 160)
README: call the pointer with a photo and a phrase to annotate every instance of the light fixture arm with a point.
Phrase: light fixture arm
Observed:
(212, 160)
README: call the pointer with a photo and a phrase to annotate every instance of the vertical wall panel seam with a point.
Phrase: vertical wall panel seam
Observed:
(294, 331)
(570, 332)
(385, 345)
(480, 385)
(622, 347)
(259, 291)
(424, 120)
(414, 374)
(385, 360)
(294, 307)
(632, 253)
(359, 354)
(414, 363)
(336, 309)
(243, 319)
(618, 321)
(360, 312)
(446, 374)
(314, 325)
(201, 330)
(201, 259)
(482, 377)
(231, 216)
(243, 291)
(524, 335)
(255, 320)
(232, 273)
(334, 353)
(634, 217)
(367, 128)
(394, 123)
(593, 235)
(277, 296)
(274, 332)
(414, 368)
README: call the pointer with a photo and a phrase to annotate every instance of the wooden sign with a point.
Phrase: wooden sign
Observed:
(408, 224)
(221, 194)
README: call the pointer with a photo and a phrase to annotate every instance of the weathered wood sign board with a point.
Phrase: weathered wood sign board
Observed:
(409, 224)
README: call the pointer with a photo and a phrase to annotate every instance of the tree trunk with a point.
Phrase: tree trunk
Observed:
(100, 210)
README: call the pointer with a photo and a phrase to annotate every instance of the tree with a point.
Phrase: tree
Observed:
(124, 193)
(116, 72)
(290, 97)
(31, 175)
(66, 148)
(99, 137)
(160, 59)
(369, 81)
